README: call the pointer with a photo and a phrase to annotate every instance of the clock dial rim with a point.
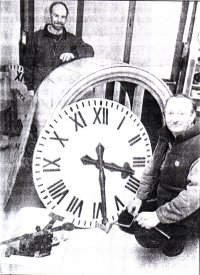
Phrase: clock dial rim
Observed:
(79, 103)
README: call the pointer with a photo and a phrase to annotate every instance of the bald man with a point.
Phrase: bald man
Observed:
(169, 194)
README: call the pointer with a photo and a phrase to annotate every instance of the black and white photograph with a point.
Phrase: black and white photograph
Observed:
(99, 137)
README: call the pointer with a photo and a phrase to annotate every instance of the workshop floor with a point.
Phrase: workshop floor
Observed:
(85, 252)
(92, 251)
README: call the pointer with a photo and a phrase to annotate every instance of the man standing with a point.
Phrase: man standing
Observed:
(51, 47)
(173, 177)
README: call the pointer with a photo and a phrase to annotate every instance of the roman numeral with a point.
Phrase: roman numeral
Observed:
(138, 161)
(19, 76)
(97, 210)
(58, 189)
(59, 139)
(54, 166)
(121, 122)
(134, 140)
(101, 115)
(75, 205)
(132, 184)
(118, 202)
(81, 123)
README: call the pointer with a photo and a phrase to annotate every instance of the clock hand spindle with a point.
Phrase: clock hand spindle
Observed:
(102, 180)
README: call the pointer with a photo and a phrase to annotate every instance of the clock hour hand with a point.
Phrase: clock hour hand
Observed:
(102, 180)
(125, 170)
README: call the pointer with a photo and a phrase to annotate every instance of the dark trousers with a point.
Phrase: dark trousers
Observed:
(151, 238)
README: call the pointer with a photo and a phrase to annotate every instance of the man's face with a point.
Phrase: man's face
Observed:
(178, 115)
(58, 17)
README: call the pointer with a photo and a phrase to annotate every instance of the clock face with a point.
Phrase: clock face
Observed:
(89, 149)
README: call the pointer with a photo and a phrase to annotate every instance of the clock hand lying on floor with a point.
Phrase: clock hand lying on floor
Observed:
(125, 170)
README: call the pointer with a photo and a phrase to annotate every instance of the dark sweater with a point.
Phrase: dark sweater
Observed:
(43, 54)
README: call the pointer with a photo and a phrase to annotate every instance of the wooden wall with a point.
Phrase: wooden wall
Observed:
(10, 31)
(104, 26)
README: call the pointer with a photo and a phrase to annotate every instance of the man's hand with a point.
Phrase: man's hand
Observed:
(64, 57)
(147, 220)
(133, 206)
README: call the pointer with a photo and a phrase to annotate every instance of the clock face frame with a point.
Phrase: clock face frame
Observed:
(65, 183)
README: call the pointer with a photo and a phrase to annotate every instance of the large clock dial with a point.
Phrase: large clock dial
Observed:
(89, 159)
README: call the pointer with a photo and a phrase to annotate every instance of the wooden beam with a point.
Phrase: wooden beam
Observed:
(79, 18)
(185, 59)
(129, 31)
(27, 25)
(18, 151)
(27, 15)
(176, 65)
(138, 101)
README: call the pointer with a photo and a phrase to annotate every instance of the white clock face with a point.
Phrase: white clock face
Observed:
(66, 164)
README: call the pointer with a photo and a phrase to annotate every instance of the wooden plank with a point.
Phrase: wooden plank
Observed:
(185, 59)
(79, 18)
(176, 65)
(17, 154)
(129, 31)
(27, 26)
(138, 101)
(100, 91)
(117, 91)
(127, 102)
(189, 77)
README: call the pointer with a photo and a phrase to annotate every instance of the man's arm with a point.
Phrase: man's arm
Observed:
(146, 182)
(143, 192)
(81, 49)
(187, 202)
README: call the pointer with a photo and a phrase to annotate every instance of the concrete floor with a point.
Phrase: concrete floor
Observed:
(92, 251)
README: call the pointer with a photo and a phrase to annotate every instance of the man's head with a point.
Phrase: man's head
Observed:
(58, 12)
(180, 113)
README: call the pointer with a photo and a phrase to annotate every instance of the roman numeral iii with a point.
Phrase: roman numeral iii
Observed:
(138, 161)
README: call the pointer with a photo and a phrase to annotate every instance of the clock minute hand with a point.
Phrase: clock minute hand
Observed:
(102, 180)
(125, 170)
